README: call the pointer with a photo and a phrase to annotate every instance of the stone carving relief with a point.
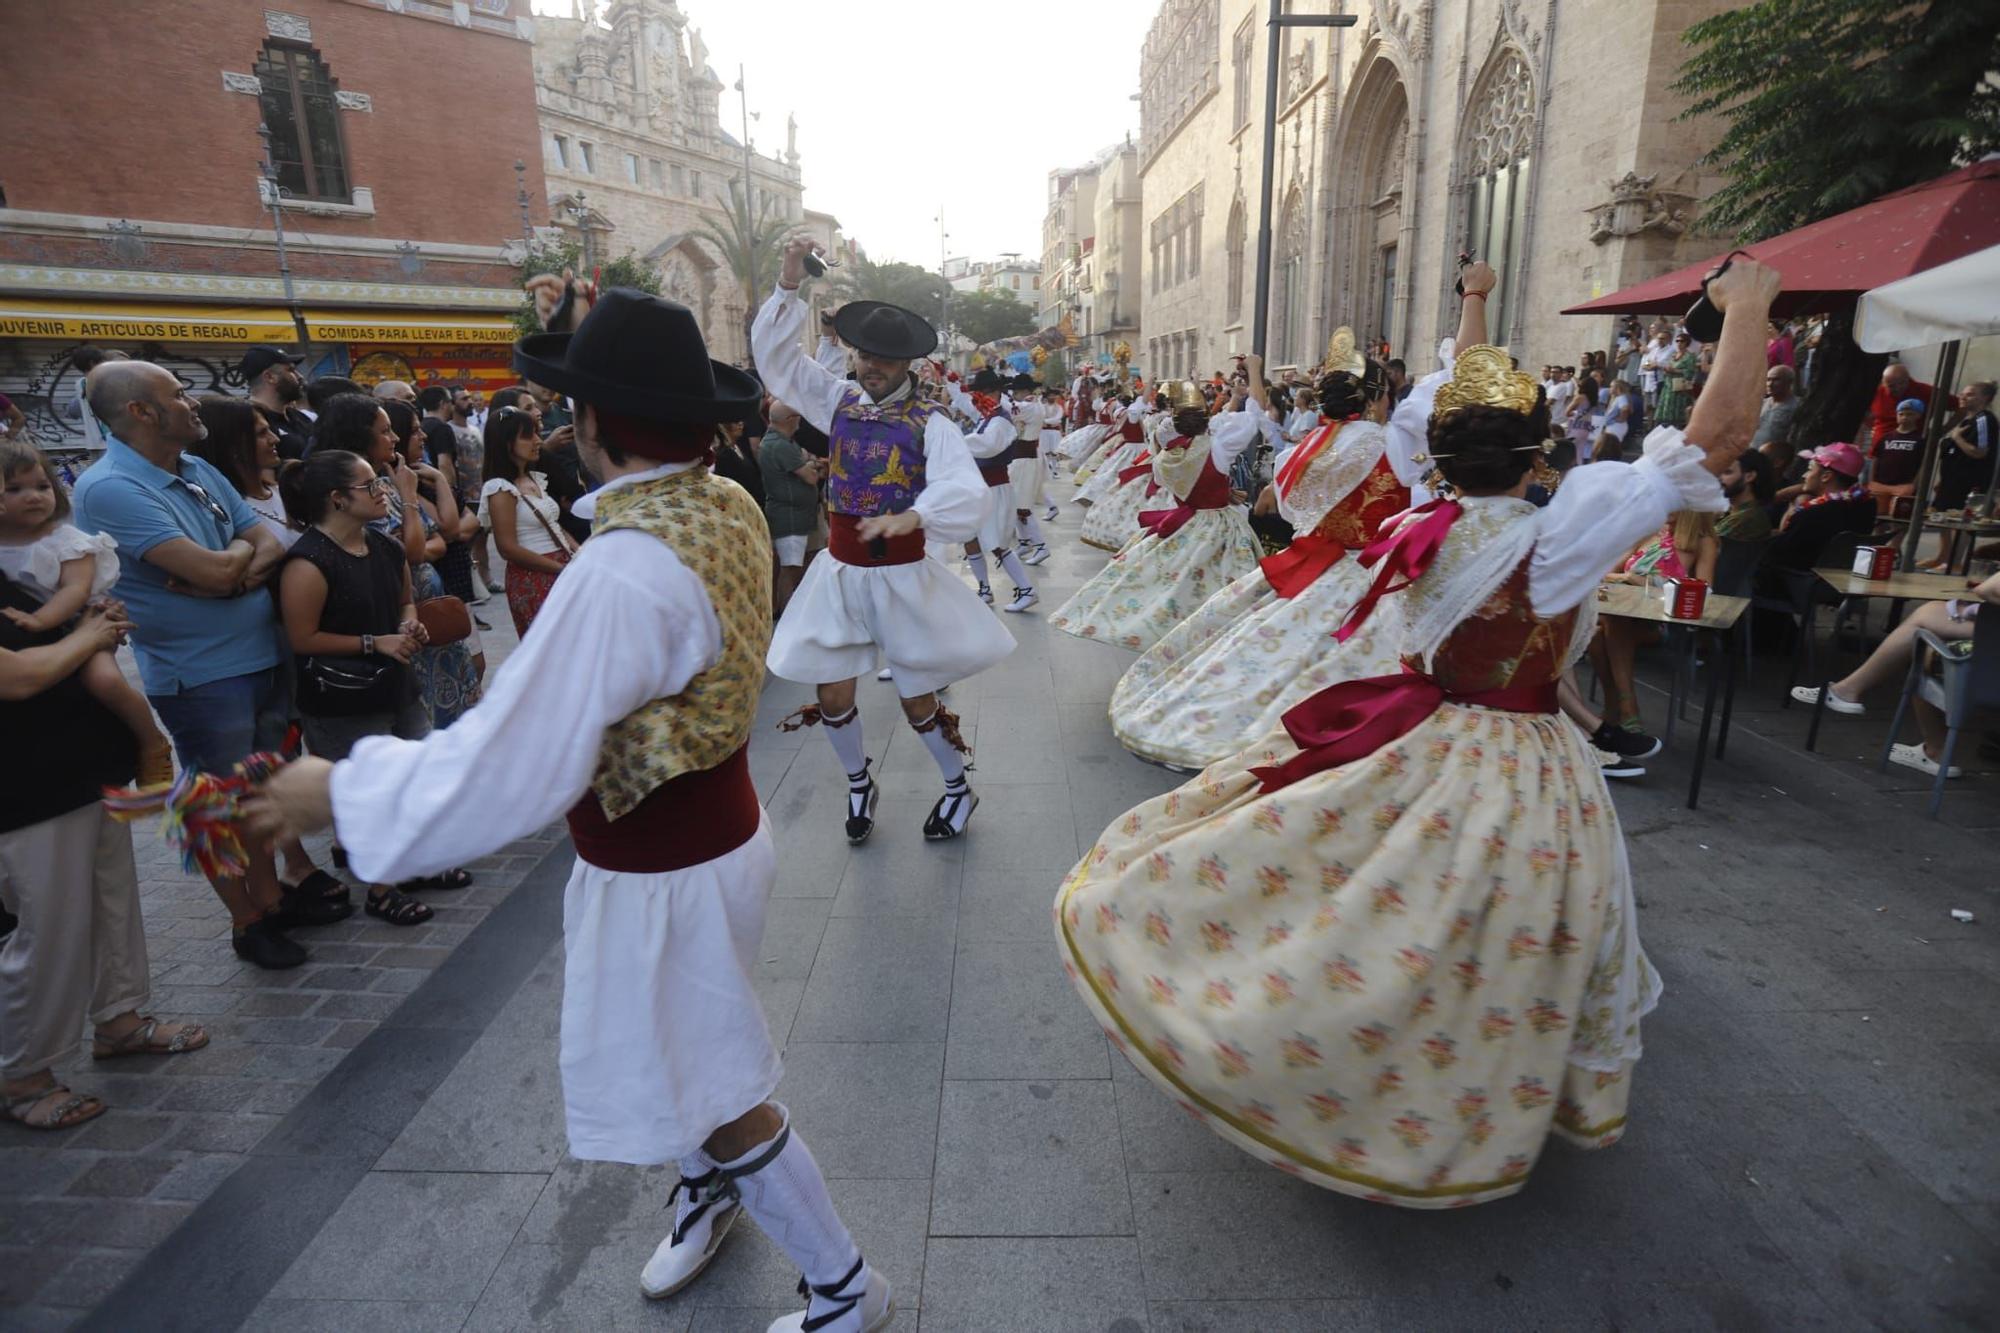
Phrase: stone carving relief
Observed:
(1409, 24)
(1636, 206)
(288, 26)
(1503, 125)
(348, 101)
(242, 83)
(1298, 74)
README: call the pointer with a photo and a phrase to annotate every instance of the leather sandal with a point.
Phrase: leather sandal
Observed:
(148, 1039)
(61, 1108)
(397, 908)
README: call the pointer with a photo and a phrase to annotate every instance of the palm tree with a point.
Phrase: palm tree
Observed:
(752, 250)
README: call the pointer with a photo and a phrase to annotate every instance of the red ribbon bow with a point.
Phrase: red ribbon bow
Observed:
(1404, 554)
(1297, 567)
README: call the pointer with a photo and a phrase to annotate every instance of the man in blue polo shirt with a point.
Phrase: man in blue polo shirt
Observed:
(194, 560)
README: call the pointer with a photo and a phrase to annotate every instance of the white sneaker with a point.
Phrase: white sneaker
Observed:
(1036, 555)
(986, 594)
(703, 1219)
(1913, 756)
(1809, 694)
(1049, 514)
(1023, 599)
(885, 674)
(865, 1310)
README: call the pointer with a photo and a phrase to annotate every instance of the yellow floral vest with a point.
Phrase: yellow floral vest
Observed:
(718, 531)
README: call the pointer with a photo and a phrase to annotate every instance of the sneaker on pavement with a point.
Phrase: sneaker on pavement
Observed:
(263, 944)
(1614, 765)
(1809, 694)
(1049, 514)
(862, 798)
(863, 1303)
(1627, 744)
(986, 593)
(1913, 756)
(1036, 555)
(1023, 599)
(708, 1207)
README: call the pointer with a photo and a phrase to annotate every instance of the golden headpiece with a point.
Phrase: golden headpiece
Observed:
(1184, 394)
(1485, 376)
(1342, 355)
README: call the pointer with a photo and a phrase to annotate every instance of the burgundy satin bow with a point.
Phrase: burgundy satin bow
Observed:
(1136, 471)
(1404, 554)
(1297, 567)
(1355, 718)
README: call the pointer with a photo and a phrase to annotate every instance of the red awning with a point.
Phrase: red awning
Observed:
(1827, 265)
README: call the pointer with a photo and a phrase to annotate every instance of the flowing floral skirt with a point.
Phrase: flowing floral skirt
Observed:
(1103, 479)
(1113, 521)
(1156, 582)
(446, 677)
(1223, 678)
(1091, 457)
(527, 589)
(1394, 978)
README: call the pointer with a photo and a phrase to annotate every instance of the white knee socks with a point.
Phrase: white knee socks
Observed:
(845, 733)
(978, 563)
(949, 761)
(781, 1187)
(1011, 565)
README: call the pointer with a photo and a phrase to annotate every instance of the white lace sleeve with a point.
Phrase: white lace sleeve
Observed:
(69, 542)
(1409, 431)
(1604, 510)
(1342, 465)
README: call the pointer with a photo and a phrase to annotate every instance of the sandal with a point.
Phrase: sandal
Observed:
(150, 1038)
(455, 878)
(324, 885)
(397, 908)
(60, 1108)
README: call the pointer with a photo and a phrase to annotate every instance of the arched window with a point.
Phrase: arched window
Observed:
(1288, 282)
(1233, 278)
(1499, 134)
(304, 120)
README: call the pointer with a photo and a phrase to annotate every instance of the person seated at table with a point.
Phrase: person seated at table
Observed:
(1686, 547)
(1749, 484)
(1897, 457)
(1891, 659)
(1831, 500)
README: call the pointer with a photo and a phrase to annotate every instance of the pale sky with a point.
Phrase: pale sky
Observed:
(889, 96)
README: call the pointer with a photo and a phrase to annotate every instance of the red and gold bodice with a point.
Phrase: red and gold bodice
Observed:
(1502, 644)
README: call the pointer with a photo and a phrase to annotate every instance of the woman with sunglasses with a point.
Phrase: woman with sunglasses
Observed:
(344, 594)
(521, 514)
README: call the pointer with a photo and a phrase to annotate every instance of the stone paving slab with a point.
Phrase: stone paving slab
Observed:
(1810, 1147)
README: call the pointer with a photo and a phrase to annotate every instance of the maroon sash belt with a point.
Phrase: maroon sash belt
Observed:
(845, 545)
(1355, 718)
(1297, 567)
(993, 470)
(690, 819)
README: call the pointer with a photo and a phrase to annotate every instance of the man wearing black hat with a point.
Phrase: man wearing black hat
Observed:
(899, 474)
(271, 374)
(991, 436)
(658, 630)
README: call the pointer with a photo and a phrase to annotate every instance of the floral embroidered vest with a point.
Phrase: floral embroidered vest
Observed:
(876, 455)
(1354, 521)
(1504, 643)
(718, 531)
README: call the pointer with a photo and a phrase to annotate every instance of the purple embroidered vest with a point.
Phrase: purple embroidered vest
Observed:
(877, 454)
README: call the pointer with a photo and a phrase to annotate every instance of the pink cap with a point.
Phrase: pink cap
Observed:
(1843, 458)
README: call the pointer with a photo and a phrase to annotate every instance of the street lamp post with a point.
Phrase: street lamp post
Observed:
(1279, 21)
(269, 171)
(944, 296)
(749, 238)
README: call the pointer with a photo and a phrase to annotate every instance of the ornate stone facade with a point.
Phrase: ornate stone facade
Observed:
(636, 157)
(1540, 136)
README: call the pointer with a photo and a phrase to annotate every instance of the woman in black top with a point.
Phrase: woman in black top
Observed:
(735, 460)
(345, 596)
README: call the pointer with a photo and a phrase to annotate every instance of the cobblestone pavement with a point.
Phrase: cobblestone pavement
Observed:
(378, 1137)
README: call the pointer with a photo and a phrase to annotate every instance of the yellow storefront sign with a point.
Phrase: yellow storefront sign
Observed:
(375, 326)
(22, 317)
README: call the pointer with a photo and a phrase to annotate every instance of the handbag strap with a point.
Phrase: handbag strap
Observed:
(556, 535)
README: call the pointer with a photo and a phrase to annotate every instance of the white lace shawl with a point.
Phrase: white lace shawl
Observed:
(1340, 467)
(1487, 543)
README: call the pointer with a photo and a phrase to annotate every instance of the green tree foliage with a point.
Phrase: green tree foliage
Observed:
(986, 317)
(628, 270)
(752, 249)
(906, 285)
(1830, 104)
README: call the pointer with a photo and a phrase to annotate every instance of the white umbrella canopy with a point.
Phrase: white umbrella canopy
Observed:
(1948, 303)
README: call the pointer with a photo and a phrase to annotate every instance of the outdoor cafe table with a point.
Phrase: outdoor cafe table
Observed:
(1901, 586)
(1721, 614)
(1961, 534)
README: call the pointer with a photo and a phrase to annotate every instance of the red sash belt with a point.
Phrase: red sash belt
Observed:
(1355, 718)
(844, 545)
(1297, 567)
(1210, 491)
(690, 819)
(1142, 466)
(993, 470)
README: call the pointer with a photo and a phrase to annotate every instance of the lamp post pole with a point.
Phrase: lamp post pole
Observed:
(1279, 21)
(749, 237)
(944, 297)
(269, 171)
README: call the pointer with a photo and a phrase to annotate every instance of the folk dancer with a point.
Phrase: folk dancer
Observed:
(658, 630)
(899, 472)
(991, 438)
(1025, 474)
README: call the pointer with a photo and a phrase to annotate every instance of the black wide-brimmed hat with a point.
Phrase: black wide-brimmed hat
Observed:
(1024, 381)
(986, 381)
(877, 328)
(639, 356)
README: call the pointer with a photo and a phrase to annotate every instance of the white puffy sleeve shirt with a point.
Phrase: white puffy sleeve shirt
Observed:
(953, 497)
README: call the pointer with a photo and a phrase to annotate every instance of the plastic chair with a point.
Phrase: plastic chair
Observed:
(1804, 594)
(1966, 682)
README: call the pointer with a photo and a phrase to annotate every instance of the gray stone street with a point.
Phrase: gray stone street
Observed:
(375, 1141)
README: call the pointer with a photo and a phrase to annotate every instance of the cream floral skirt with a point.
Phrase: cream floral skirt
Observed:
(1154, 583)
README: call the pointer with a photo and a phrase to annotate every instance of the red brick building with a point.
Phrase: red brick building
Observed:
(134, 213)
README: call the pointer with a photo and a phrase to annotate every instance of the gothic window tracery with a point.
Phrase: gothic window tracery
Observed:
(1499, 137)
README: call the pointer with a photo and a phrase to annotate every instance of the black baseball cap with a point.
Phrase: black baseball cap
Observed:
(262, 357)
